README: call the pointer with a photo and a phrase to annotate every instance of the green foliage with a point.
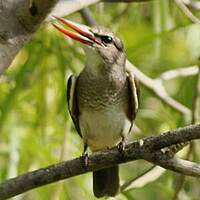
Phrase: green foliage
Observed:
(34, 123)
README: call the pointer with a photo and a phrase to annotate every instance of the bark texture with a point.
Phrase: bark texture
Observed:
(150, 149)
(19, 20)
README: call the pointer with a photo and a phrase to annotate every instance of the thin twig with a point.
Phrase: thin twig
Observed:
(143, 179)
(158, 89)
(148, 149)
(117, 17)
(179, 183)
(187, 12)
(154, 172)
(180, 72)
(180, 178)
(192, 4)
(196, 104)
(64, 7)
(86, 15)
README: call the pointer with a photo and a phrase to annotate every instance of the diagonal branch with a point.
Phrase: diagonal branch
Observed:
(187, 12)
(64, 8)
(180, 72)
(192, 4)
(156, 86)
(143, 179)
(148, 149)
(196, 106)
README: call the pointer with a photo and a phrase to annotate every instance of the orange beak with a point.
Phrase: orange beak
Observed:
(83, 35)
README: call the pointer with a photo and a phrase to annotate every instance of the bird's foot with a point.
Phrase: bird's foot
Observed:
(121, 145)
(85, 157)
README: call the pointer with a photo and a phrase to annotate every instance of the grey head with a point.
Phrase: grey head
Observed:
(100, 43)
(110, 49)
(107, 51)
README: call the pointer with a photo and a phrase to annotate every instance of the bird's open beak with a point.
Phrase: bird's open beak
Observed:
(85, 36)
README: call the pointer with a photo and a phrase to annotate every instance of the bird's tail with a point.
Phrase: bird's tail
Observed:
(106, 182)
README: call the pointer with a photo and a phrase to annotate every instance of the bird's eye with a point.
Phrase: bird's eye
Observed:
(106, 39)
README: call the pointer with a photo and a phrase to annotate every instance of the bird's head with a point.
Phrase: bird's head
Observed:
(99, 42)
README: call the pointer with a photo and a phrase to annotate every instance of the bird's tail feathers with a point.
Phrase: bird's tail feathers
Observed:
(106, 182)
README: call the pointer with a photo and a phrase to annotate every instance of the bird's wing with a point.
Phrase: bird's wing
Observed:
(72, 101)
(134, 96)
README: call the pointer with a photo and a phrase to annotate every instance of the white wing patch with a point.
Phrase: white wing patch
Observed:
(134, 89)
(71, 92)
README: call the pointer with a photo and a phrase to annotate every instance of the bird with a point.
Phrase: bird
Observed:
(103, 98)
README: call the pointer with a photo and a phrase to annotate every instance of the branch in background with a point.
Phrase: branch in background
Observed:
(87, 17)
(192, 4)
(19, 20)
(179, 183)
(156, 86)
(187, 12)
(175, 164)
(154, 172)
(148, 148)
(119, 16)
(196, 104)
(64, 7)
(145, 178)
(179, 179)
(180, 72)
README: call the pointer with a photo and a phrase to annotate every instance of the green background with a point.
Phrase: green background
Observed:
(35, 127)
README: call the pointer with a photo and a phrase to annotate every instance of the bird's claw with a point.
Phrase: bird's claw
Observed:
(121, 146)
(85, 159)
(85, 156)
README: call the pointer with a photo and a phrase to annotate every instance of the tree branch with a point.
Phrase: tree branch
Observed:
(192, 4)
(196, 103)
(143, 179)
(86, 15)
(187, 12)
(179, 72)
(156, 86)
(148, 149)
(64, 8)
(19, 20)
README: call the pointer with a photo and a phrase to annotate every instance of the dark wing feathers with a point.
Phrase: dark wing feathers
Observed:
(72, 102)
(134, 97)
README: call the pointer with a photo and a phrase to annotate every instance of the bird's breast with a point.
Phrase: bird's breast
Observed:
(99, 92)
(103, 129)
(102, 104)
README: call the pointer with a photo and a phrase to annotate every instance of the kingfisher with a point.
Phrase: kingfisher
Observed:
(103, 98)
